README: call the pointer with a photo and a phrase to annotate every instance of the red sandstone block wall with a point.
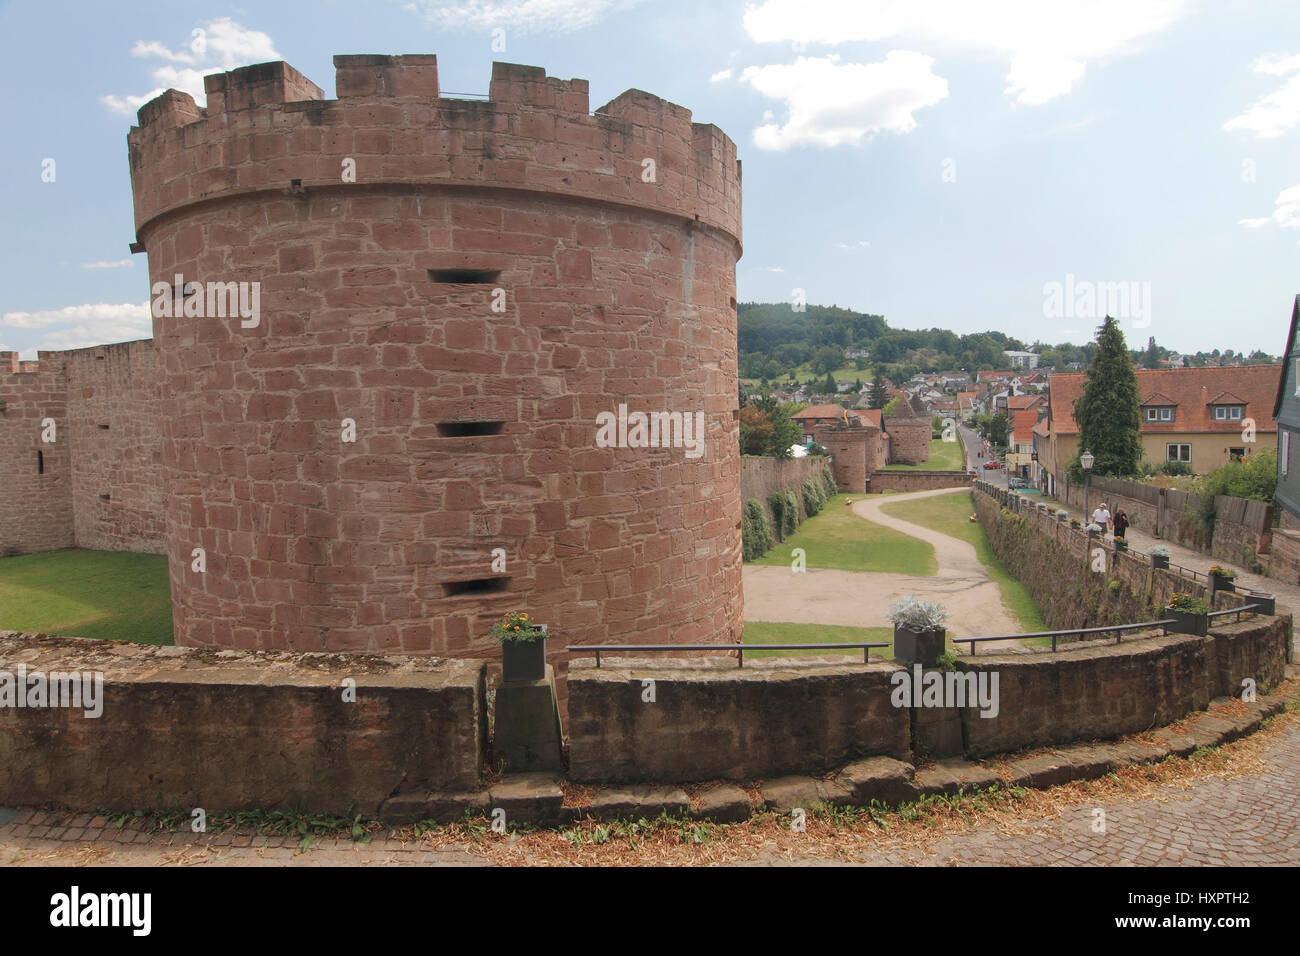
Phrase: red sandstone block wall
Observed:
(918, 480)
(116, 386)
(616, 290)
(909, 440)
(35, 508)
(82, 390)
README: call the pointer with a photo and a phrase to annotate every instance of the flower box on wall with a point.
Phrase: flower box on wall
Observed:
(918, 647)
(1188, 622)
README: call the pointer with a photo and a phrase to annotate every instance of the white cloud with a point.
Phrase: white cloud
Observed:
(1049, 45)
(720, 76)
(76, 326)
(1278, 112)
(830, 103)
(768, 269)
(519, 16)
(215, 47)
(1286, 214)
(102, 264)
(856, 244)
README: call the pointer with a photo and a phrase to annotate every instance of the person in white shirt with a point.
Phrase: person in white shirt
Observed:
(1102, 517)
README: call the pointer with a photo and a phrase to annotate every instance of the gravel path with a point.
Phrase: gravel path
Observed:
(860, 599)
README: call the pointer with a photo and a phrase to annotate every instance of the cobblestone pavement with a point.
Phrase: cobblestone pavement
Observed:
(1248, 819)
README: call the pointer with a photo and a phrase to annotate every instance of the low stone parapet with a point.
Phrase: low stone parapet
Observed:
(226, 730)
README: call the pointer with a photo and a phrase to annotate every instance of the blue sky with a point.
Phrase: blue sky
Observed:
(935, 161)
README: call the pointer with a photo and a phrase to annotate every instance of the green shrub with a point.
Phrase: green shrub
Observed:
(1175, 468)
(785, 508)
(828, 479)
(755, 531)
(814, 495)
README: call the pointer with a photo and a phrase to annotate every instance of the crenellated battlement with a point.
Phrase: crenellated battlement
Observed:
(268, 128)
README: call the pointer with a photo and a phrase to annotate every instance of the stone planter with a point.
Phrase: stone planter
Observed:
(918, 647)
(1158, 562)
(1222, 583)
(525, 661)
(1188, 622)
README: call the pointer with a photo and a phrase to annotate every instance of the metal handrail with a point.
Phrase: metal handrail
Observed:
(1118, 629)
(739, 648)
(1235, 610)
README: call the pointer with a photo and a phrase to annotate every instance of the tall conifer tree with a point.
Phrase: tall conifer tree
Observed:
(1107, 412)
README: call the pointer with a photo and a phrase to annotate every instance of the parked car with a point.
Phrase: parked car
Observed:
(992, 464)
(1015, 482)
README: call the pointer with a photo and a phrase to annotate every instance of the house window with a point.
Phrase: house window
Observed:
(1286, 451)
(1165, 414)
(1297, 376)
(1178, 453)
(1236, 454)
(1227, 413)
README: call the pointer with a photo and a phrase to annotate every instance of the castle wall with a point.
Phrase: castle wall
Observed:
(909, 439)
(477, 430)
(102, 486)
(117, 499)
(855, 451)
(35, 476)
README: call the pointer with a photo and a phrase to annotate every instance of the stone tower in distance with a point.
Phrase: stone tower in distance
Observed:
(468, 285)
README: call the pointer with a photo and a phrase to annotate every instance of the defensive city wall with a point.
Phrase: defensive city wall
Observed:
(80, 451)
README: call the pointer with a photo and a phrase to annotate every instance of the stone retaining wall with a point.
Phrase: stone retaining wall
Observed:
(888, 480)
(712, 719)
(225, 730)
(1241, 533)
(760, 477)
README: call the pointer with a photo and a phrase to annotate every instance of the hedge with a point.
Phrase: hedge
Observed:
(755, 531)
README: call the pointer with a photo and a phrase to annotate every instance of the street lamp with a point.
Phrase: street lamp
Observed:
(1086, 460)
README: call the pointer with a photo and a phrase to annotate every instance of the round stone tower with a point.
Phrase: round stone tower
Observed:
(427, 360)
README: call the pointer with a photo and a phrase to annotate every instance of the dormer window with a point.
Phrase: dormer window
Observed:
(1228, 413)
(1159, 413)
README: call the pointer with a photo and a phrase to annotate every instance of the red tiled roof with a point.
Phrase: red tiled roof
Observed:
(1158, 399)
(1023, 423)
(870, 416)
(820, 411)
(1191, 390)
(1018, 402)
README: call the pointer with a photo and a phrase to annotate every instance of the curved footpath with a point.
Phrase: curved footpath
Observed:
(861, 598)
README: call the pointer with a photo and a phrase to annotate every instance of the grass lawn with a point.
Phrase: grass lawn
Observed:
(769, 632)
(116, 595)
(837, 538)
(950, 514)
(944, 456)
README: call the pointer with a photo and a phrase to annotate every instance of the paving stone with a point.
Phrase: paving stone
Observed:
(635, 802)
(879, 778)
(1091, 760)
(785, 793)
(1180, 745)
(1211, 731)
(1131, 753)
(1044, 770)
(442, 807)
(529, 798)
(955, 775)
(725, 803)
